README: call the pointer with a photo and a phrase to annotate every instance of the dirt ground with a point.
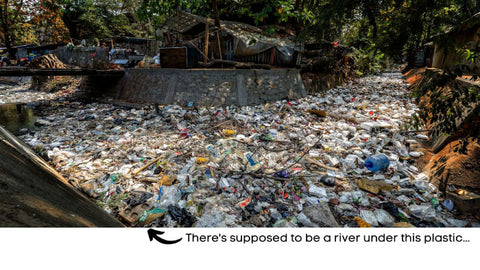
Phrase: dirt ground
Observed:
(414, 75)
(463, 170)
(449, 167)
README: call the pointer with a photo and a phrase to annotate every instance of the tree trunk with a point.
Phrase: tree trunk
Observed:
(221, 42)
(411, 56)
(9, 46)
(217, 16)
(6, 30)
(370, 12)
(297, 24)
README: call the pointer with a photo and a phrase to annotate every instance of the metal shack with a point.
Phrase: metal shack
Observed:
(195, 41)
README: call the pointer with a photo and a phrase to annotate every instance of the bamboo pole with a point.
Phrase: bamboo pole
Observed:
(219, 45)
(147, 165)
(207, 28)
(313, 161)
(200, 51)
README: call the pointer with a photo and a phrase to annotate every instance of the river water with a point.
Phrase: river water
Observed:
(18, 103)
(17, 118)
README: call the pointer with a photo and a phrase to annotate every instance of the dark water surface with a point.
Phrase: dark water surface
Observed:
(17, 117)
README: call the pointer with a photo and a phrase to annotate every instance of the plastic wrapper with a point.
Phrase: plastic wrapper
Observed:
(369, 217)
(423, 211)
(384, 218)
(317, 191)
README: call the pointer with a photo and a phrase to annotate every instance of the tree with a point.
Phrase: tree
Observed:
(12, 16)
(89, 19)
(152, 13)
(48, 22)
(394, 27)
(21, 21)
(328, 19)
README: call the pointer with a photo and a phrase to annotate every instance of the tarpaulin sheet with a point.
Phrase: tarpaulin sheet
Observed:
(247, 43)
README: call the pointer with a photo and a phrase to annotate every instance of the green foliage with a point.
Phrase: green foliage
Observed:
(401, 28)
(151, 13)
(88, 19)
(13, 19)
(472, 54)
(279, 11)
(325, 20)
(396, 27)
(115, 200)
(368, 60)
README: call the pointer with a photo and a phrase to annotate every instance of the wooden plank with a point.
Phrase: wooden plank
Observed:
(236, 64)
(191, 43)
(316, 162)
(374, 186)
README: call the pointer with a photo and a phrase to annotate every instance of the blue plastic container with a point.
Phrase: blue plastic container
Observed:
(377, 162)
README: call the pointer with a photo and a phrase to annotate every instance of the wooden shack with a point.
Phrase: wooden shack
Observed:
(231, 43)
(465, 36)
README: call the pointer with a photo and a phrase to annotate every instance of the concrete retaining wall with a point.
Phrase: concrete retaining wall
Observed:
(33, 194)
(200, 86)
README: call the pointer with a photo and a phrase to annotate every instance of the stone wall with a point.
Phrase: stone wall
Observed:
(84, 57)
(201, 86)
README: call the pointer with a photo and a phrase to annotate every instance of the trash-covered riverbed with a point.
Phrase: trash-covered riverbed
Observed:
(297, 163)
(20, 93)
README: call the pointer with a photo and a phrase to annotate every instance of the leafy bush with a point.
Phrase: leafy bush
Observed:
(368, 60)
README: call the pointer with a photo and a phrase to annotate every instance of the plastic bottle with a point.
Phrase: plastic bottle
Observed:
(377, 162)
(215, 154)
(402, 149)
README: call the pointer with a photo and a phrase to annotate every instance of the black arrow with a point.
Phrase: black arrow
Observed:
(154, 234)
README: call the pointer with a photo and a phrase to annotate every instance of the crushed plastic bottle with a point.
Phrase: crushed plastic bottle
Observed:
(252, 165)
(317, 191)
(377, 162)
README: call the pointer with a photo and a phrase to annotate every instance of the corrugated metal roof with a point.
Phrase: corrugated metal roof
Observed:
(183, 22)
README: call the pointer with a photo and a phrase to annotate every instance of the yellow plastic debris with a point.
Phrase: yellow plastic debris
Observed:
(229, 132)
(362, 223)
(201, 160)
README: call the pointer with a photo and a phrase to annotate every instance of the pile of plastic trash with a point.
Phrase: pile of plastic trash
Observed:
(339, 158)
